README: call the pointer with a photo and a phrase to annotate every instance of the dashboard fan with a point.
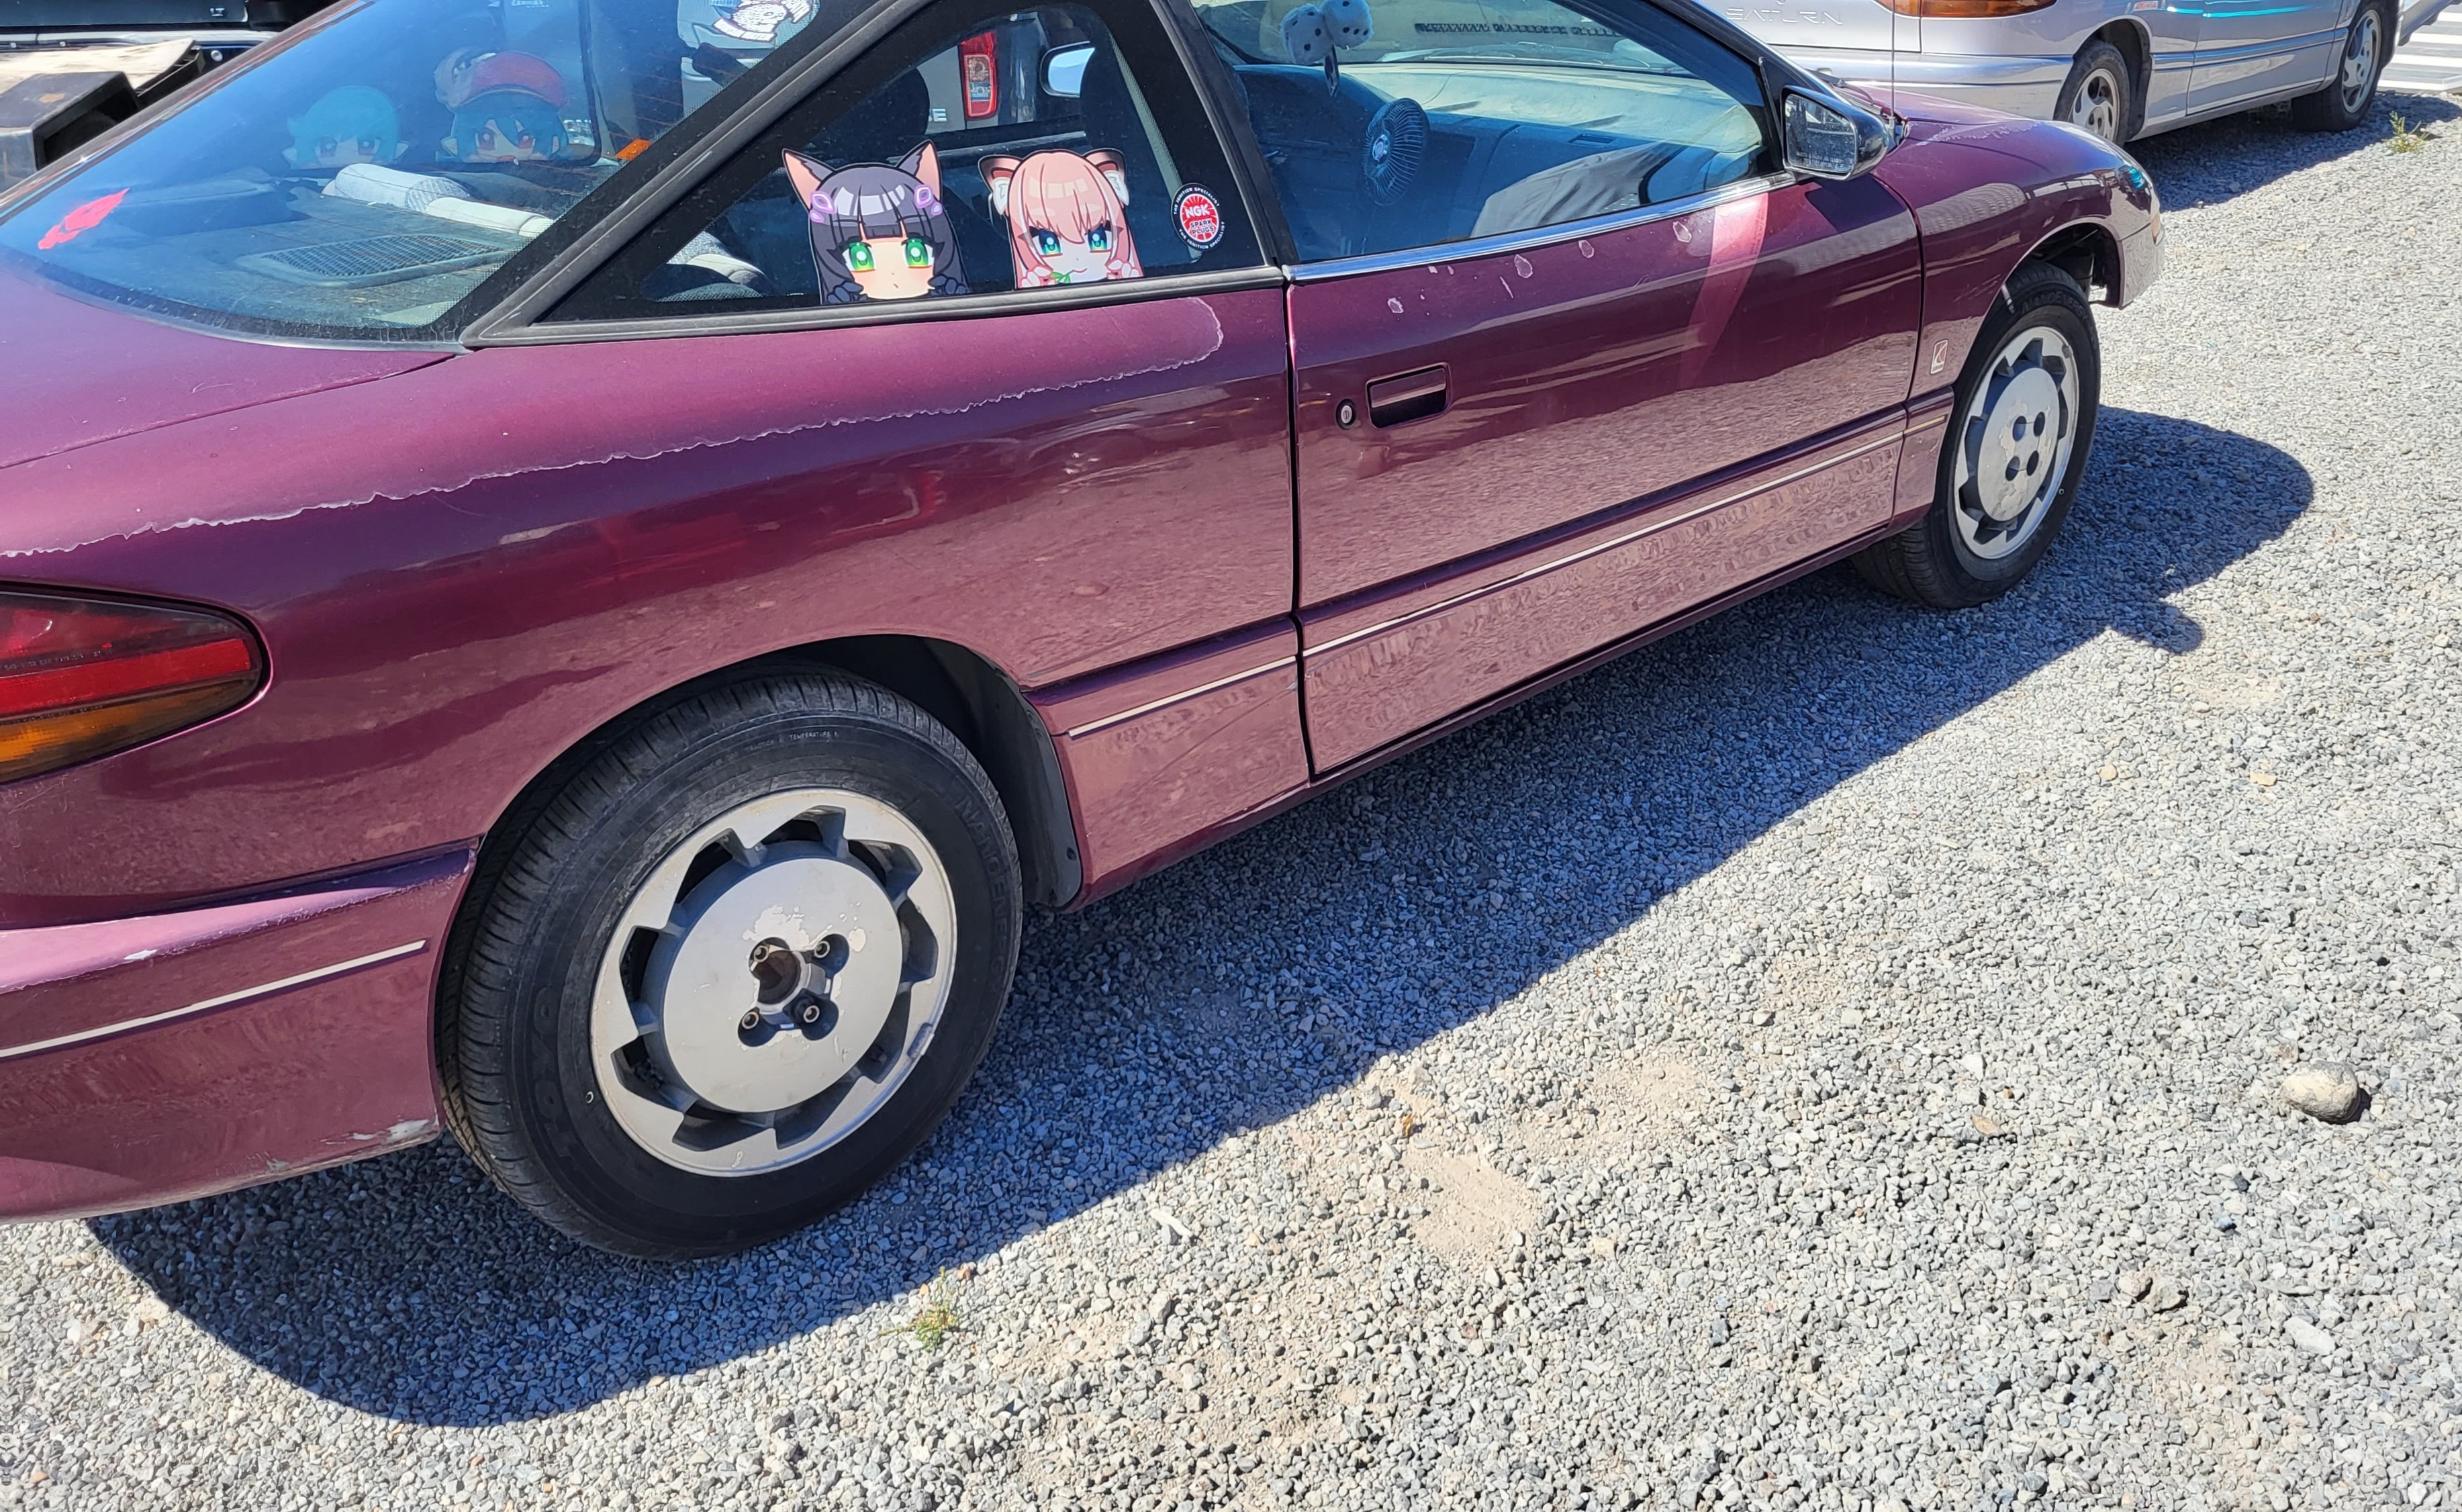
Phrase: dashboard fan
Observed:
(1397, 143)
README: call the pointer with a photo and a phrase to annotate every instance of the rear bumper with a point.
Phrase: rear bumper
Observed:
(2028, 86)
(165, 1057)
(2021, 86)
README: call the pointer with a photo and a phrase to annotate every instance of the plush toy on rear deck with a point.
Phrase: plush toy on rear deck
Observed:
(512, 111)
(351, 124)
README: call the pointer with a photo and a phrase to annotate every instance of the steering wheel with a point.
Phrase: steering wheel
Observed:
(1393, 148)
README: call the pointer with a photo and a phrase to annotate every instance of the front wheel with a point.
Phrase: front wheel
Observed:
(734, 970)
(2019, 434)
(2344, 100)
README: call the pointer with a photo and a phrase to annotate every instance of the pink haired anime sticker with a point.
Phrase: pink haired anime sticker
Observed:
(1067, 216)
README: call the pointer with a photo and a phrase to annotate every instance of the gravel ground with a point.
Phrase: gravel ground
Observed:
(1829, 1058)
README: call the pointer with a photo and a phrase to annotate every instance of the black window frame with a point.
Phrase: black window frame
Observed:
(524, 317)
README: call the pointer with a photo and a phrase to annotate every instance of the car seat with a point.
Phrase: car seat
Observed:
(1111, 119)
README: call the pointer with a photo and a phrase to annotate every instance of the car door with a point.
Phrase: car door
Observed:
(977, 344)
(1569, 358)
(2250, 50)
(2172, 31)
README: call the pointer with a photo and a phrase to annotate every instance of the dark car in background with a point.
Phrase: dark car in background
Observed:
(69, 69)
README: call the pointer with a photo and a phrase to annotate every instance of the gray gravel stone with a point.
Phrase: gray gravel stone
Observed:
(2308, 1336)
(1714, 955)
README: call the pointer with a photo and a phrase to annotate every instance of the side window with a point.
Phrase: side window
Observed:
(1402, 123)
(971, 152)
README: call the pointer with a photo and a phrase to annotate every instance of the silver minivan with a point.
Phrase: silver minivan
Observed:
(2121, 69)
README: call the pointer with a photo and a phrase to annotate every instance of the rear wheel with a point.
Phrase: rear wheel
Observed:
(2346, 100)
(735, 969)
(2099, 93)
(2017, 446)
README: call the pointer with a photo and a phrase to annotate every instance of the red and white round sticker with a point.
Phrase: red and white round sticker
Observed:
(1200, 217)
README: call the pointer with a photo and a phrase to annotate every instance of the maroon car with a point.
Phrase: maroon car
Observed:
(568, 567)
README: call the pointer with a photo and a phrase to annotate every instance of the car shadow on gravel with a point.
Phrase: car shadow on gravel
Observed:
(1142, 1031)
(2219, 159)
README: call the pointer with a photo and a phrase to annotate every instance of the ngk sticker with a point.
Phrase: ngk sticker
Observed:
(1200, 217)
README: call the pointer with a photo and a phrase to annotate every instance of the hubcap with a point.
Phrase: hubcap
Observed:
(2097, 106)
(2360, 60)
(772, 983)
(2014, 441)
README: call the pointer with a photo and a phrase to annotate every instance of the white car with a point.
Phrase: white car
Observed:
(2121, 69)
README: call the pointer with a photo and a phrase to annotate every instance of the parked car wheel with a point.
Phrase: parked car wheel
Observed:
(2100, 94)
(2344, 101)
(2017, 440)
(735, 969)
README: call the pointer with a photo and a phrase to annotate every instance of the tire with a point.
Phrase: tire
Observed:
(1979, 538)
(820, 810)
(2100, 94)
(2359, 67)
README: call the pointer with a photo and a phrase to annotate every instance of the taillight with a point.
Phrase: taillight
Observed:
(81, 677)
(1967, 10)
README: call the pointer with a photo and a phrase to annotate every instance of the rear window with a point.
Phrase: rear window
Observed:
(361, 181)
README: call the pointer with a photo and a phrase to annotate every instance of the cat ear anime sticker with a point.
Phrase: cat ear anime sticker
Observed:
(1067, 216)
(879, 229)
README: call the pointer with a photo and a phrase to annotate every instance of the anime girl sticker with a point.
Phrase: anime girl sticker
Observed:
(879, 230)
(1067, 216)
(759, 20)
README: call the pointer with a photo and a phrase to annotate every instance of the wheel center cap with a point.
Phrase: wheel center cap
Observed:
(773, 978)
(2022, 440)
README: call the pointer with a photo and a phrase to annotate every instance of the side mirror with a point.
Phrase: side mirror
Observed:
(1064, 70)
(1828, 138)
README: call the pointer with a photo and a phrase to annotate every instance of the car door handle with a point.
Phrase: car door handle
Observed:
(1407, 396)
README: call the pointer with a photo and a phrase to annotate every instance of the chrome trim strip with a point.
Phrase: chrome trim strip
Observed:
(1097, 726)
(2207, 58)
(1442, 252)
(1609, 545)
(243, 995)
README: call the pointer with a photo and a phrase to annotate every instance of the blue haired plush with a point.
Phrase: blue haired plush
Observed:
(351, 124)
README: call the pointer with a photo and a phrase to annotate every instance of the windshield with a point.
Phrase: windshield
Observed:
(358, 182)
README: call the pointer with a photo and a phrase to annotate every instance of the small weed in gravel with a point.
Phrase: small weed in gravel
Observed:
(2408, 138)
(938, 1318)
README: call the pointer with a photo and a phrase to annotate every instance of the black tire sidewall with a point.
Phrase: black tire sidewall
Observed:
(626, 1197)
(2056, 302)
(2096, 55)
(2386, 25)
(2323, 109)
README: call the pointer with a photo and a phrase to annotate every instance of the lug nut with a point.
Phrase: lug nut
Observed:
(751, 1019)
(810, 1013)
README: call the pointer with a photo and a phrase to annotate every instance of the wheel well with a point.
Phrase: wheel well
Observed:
(987, 710)
(2086, 253)
(2134, 45)
(969, 694)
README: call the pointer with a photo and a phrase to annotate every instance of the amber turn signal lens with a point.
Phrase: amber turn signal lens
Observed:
(81, 677)
(1966, 9)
